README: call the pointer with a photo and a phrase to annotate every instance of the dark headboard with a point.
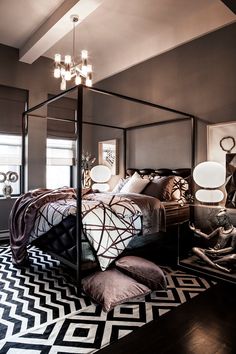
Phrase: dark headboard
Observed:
(183, 172)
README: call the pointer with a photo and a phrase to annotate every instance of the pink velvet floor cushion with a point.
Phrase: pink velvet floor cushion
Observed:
(142, 270)
(111, 288)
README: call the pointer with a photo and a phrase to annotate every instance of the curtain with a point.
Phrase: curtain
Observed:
(12, 105)
(63, 108)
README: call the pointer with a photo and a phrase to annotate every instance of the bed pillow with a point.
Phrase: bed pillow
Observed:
(160, 187)
(111, 288)
(120, 184)
(179, 190)
(135, 185)
(144, 271)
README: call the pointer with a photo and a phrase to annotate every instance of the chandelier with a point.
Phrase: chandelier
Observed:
(69, 68)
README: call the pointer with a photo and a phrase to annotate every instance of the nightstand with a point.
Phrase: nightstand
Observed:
(177, 220)
(204, 218)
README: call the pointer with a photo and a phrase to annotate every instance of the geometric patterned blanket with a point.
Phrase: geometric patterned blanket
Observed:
(40, 312)
(109, 223)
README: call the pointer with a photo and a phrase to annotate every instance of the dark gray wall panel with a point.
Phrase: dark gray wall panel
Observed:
(201, 142)
(167, 145)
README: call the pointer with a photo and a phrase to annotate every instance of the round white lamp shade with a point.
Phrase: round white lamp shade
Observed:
(209, 174)
(100, 174)
(101, 187)
(209, 196)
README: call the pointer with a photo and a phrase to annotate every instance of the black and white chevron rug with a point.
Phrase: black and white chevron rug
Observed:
(40, 313)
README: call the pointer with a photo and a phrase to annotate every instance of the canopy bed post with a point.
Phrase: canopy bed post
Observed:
(193, 140)
(23, 160)
(125, 150)
(79, 226)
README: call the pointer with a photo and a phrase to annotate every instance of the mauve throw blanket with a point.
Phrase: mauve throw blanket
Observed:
(23, 215)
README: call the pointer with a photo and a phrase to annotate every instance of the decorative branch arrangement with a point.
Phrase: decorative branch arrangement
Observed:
(87, 162)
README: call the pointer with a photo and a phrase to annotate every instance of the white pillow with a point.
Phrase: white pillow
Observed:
(135, 185)
(120, 185)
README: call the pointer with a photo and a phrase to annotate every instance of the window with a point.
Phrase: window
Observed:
(60, 159)
(10, 158)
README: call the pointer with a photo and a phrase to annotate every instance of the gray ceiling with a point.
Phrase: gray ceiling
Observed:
(117, 33)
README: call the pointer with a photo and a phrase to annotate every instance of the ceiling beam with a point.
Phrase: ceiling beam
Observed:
(55, 28)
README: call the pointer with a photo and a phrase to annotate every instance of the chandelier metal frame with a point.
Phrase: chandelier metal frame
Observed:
(68, 69)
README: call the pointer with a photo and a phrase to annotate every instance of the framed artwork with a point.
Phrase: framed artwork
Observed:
(221, 139)
(108, 155)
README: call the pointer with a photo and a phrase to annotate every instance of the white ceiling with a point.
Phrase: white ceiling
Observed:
(117, 33)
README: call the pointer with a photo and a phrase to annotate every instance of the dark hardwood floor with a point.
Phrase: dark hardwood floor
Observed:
(205, 325)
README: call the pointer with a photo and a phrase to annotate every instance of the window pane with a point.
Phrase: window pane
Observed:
(58, 176)
(10, 149)
(15, 185)
(60, 152)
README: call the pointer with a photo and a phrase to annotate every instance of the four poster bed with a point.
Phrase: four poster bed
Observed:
(82, 237)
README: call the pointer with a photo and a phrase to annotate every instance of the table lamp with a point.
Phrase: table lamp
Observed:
(100, 174)
(209, 175)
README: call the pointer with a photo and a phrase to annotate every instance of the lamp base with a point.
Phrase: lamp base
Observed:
(101, 187)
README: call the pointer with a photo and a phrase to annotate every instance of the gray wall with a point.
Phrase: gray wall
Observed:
(197, 77)
(201, 142)
(167, 145)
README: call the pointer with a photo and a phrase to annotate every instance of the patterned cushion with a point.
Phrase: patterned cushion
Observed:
(110, 222)
(111, 288)
(179, 189)
(135, 185)
(168, 188)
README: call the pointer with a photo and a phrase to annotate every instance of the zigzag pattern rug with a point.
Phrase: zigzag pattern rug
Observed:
(40, 313)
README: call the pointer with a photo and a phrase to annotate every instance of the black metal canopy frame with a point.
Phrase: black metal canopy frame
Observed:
(79, 129)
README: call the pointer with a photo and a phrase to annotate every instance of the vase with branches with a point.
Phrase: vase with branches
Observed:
(87, 163)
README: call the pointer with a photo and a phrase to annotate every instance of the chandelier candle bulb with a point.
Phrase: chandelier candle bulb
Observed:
(88, 82)
(67, 75)
(78, 80)
(84, 54)
(57, 58)
(63, 85)
(67, 59)
(57, 73)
